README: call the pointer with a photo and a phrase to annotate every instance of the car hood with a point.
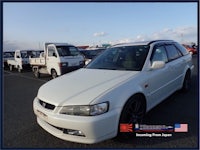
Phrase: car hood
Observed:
(81, 87)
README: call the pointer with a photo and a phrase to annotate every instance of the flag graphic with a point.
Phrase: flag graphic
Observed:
(137, 127)
(180, 127)
(126, 127)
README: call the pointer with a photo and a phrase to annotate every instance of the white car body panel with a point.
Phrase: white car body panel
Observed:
(100, 81)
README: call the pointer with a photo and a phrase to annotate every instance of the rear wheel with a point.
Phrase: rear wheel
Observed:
(132, 113)
(54, 74)
(19, 69)
(10, 67)
(36, 73)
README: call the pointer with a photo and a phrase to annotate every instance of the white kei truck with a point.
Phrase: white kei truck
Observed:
(20, 60)
(7, 55)
(57, 59)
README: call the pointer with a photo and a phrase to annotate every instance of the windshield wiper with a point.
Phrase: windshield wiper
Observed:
(106, 68)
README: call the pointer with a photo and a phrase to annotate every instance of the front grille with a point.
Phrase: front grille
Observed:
(46, 105)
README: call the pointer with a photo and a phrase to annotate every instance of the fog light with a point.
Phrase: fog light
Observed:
(74, 132)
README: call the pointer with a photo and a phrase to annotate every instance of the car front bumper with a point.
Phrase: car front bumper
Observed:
(94, 128)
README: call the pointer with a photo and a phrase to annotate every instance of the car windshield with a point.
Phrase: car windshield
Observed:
(67, 51)
(121, 58)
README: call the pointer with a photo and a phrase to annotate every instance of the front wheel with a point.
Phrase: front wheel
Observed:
(54, 74)
(132, 113)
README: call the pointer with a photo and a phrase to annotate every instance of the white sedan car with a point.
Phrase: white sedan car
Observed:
(119, 86)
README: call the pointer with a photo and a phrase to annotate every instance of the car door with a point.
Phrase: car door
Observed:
(52, 59)
(176, 65)
(158, 79)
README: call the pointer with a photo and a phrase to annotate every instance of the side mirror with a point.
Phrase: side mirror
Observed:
(157, 65)
(54, 54)
(42, 55)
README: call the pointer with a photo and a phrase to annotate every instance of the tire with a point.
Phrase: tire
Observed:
(187, 82)
(54, 74)
(19, 70)
(10, 67)
(36, 73)
(132, 113)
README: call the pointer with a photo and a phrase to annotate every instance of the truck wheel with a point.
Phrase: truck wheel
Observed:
(132, 113)
(19, 70)
(36, 73)
(54, 74)
(10, 67)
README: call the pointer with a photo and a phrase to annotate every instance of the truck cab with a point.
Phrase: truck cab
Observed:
(61, 58)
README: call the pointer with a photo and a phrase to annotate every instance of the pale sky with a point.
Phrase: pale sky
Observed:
(28, 25)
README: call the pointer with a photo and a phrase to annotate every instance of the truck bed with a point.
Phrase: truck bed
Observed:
(11, 61)
(37, 61)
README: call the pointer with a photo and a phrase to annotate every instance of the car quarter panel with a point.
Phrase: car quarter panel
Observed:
(81, 92)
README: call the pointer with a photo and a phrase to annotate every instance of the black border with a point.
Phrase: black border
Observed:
(88, 1)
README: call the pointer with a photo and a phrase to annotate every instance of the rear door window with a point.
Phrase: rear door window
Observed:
(173, 52)
(181, 48)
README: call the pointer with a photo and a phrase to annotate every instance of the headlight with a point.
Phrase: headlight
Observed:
(90, 110)
(88, 61)
(81, 63)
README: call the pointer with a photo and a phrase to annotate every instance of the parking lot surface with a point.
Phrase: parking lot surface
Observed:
(20, 129)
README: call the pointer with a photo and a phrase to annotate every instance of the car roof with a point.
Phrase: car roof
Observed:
(142, 43)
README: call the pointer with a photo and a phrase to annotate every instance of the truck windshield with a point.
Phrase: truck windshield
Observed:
(8, 54)
(67, 51)
(121, 58)
(26, 54)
